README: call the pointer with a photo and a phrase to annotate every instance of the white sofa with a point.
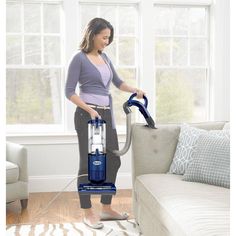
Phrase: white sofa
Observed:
(163, 204)
(16, 174)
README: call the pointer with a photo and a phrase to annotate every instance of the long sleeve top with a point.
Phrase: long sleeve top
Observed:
(84, 73)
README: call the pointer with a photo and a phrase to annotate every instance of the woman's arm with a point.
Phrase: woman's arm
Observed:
(125, 87)
(72, 80)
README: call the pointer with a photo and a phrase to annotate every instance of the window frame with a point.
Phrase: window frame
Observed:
(188, 37)
(39, 128)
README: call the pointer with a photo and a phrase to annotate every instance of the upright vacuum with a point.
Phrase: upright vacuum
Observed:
(97, 160)
(97, 149)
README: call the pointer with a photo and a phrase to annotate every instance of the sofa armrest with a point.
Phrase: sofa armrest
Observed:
(17, 154)
(153, 149)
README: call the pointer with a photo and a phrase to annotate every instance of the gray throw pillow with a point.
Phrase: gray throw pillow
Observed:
(211, 161)
(187, 142)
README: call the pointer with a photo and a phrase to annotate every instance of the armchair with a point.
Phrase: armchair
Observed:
(16, 174)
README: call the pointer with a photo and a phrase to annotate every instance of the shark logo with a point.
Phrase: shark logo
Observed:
(97, 163)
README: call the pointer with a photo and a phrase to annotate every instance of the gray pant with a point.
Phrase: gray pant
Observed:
(81, 119)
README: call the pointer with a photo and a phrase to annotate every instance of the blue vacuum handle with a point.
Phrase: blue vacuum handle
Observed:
(142, 109)
(144, 97)
(97, 122)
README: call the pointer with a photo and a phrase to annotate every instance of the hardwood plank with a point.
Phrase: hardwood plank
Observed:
(66, 207)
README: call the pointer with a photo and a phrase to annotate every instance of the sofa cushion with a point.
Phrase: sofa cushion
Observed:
(211, 161)
(12, 172)
(185, 208)
(186, 144)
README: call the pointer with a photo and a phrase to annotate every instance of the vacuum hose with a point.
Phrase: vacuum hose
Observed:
(127, 110)
(128, 137)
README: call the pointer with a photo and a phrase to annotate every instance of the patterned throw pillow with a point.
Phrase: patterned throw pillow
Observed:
(211, 161)
(187, 142)
(186, 146)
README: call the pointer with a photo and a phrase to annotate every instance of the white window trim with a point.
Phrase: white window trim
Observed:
(36, 1)
(110, 1)
(219, 60)
(220, 65)
(185, 2)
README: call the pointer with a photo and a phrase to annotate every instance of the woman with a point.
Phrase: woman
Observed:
(94, 72)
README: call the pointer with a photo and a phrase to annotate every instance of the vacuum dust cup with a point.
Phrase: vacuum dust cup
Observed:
(97, 151)
(97, 160)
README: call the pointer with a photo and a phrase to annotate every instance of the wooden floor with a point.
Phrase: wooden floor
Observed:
(66, 208)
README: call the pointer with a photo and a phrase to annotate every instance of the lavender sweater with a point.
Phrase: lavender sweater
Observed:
(99, 100)
(83, 72)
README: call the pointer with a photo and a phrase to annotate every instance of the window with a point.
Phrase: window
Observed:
(182, 67)
(122, 51)
(34, 69)
(163, 48)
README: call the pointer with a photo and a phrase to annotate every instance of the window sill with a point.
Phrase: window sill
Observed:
(49, 138)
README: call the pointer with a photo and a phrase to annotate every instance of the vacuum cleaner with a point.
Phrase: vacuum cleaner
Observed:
(97, 160)
(97, 149)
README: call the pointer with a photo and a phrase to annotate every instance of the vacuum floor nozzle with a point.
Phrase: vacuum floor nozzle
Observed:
(105, 188)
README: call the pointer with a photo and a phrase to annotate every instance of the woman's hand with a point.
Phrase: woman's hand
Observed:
(140, 93)
(93, 113)
(125, 87)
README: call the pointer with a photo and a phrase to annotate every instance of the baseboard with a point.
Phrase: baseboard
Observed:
(56, 183)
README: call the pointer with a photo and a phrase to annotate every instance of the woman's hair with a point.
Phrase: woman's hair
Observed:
(95, 26)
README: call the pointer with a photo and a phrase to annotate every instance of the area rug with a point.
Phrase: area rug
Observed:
(111, 228)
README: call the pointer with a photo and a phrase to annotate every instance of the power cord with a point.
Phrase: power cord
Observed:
(43, 211)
